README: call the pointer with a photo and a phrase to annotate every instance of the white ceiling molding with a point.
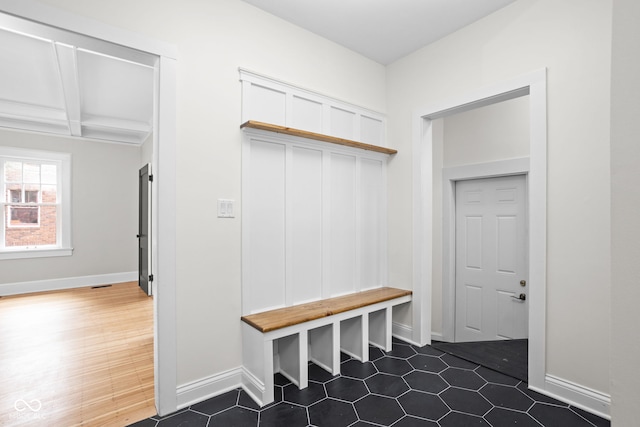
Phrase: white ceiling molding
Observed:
(59, 82)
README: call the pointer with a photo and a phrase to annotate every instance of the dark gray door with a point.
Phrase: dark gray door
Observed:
(144, 200)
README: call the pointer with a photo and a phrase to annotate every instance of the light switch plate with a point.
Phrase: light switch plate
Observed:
(226, 208)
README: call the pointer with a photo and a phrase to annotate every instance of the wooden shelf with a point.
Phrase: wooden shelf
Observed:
(316, 136)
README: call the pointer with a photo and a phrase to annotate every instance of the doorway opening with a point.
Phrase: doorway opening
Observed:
(163, 141)
(425, 243)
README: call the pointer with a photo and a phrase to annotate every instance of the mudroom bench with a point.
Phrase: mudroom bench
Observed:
(285, 339)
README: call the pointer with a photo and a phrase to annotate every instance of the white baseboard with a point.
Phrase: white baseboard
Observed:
(66, 283)
(582, 397)
(403, 332)
(253, 386)
(206, 388)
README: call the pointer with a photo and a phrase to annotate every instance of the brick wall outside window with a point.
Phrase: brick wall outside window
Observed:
(42, 234)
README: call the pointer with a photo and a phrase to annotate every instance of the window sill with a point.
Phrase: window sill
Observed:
(35, 253)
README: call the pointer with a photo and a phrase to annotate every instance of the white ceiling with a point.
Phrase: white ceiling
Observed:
(382, 30)
(63, 83)
(59, 82)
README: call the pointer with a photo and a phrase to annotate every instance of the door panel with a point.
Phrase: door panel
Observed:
(144, 202)
(473, 228)
(507, 249)
(473, 320)
(491, 259)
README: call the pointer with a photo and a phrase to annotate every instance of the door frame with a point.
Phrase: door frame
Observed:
(163, 208)
(533, 84)
(450, 176)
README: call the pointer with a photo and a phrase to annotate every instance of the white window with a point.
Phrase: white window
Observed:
(36, 193)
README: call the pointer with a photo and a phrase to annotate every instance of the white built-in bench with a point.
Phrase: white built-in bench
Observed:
(284, 340)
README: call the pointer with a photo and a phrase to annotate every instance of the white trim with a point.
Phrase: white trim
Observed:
(422, 229)
(437, 336)
(252, 385)
(582, 397)
(403, 332)
(66, 283)
(35, 253)
(208, 387)
(506, 167)
(533, 84)
(537, 188)
(164, 204)
(163, 250)
(449, 177)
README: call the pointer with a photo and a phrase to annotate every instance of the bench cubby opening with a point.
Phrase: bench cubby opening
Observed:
(290, 358)
(353, 338)
(380, 328)
(324, 350)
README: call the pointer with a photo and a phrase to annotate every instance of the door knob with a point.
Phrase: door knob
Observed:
(521, 297)
(523, 283)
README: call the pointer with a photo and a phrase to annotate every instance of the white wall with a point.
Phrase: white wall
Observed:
(104, 210)
(495, 132)
(214, 38)
(572, 39)
(625, 208)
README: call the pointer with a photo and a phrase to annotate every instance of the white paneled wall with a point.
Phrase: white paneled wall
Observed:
(272, 101)
(372, 219)
(267, 252)
(313, 213)
(305, 215)
(306, 114)
(343, 223)
(314, 220)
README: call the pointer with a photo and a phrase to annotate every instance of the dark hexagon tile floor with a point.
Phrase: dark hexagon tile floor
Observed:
(409, 386)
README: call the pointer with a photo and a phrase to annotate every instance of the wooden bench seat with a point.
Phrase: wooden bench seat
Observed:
(271, 320)
(286, 339)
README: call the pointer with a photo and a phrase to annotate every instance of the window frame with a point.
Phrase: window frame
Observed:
(63, 227)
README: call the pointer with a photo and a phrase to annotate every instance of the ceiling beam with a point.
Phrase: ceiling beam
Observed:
(67, 65)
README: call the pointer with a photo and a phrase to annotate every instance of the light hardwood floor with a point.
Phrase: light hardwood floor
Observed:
(77, 357)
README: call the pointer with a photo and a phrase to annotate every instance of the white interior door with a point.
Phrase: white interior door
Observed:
(491, 259)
